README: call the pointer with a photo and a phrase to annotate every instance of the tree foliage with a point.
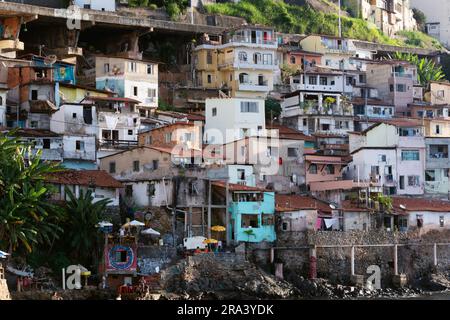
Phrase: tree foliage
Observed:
(427, 70)
(83, 215)
(27, 218)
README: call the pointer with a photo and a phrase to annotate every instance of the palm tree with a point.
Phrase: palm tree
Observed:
(83, 214)
(27, 218)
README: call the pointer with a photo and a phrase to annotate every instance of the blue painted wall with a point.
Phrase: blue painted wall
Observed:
(262, 232)
(62, 72)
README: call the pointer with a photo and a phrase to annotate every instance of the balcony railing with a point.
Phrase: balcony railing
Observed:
(118, 144)
(242, 39)
(402, 75)
(438, 155)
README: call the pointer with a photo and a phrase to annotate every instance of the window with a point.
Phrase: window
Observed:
(284, 226)
(214, 112)
(34, 124)
(243, 78)
(148, 140)
(168, 137)
(267, 59)
(151, 93)
(441, 93)
(135, 91)
(209, 78)
(402, 183)
(79, 145)
(323, 81)
(151, 189)
(293, 59)
(209, 57)
(249, 107)
(438, 151)
(257, 58)
(136, 166)
(112, 167)
(401, 87)
(441, 221)
(129, 190)
(408, 132)
(249, 221)
(241, 174)
(305, 122)
(292, 152)
(329, 169)
(46, 143)
(413, 181)
(106, 67)
(410, 155)
(313, 169)
(130, 132)
(430, 176)
(419, 218)
(155, 164)
(74, 115)
(267, 219)
(34, 94)
(312, 80)
(242, 56)
(328, 62)
(132, 67)
(437, 129)
(382, 158)
(149, 69)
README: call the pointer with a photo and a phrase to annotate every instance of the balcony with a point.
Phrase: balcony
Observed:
(117, 144)
(254, 86)
(240, 64)
(253, 41)
(401, 75)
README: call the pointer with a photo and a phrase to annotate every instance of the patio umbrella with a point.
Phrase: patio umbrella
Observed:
(104, 224)
(218, 228)
(151, 232)
(208, 241)
(133, 223)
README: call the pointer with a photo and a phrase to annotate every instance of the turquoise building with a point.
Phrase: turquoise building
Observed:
(252, 213)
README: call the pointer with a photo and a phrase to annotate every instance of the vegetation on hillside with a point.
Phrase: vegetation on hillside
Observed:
(173, 7)
(305, 20)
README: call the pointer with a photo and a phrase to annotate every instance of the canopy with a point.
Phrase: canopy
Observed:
(150, 231)
(3, 254)
(133, 223)
(104, 224)
(218, 228)
(207, 241)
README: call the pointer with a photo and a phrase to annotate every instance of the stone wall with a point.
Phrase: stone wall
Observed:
(152, 259)
(415, 259)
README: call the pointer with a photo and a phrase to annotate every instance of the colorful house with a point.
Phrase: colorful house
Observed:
(252, 212)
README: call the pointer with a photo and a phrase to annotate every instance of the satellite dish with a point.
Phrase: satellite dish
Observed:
(50, 60)
(402, 207)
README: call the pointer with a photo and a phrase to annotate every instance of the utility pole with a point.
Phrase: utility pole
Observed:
(340, 25)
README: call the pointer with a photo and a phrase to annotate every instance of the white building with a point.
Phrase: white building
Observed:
(438, 22)
(391, 155)
(101, 5)
(231, 119)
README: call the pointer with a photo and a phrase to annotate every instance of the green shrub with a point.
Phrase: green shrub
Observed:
(153, 6)
(173, 10)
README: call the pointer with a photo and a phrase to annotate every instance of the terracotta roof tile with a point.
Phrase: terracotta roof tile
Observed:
(420, 204)
(289, 133)
(237, 187)
(298, 202)
(98, 178)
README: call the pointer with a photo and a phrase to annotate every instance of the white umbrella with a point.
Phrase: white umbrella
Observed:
(151, 231)
(3, 254)
(104, 224)
(133, 223)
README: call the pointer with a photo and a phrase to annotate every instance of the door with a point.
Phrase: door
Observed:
(115, 135)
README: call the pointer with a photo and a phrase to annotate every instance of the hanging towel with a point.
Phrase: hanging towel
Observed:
(329, 222)
(111, 121)
(318, 223)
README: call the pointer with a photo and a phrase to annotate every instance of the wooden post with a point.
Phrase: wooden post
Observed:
(395, 260)
(313, 263)
(435, 262)
(352, 261)
(209, 209)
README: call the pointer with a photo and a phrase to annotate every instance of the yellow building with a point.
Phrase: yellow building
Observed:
(439, 93)
(74, 93)
(243, 65)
